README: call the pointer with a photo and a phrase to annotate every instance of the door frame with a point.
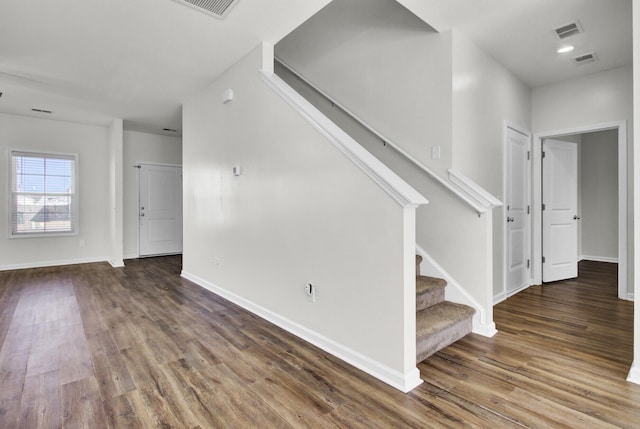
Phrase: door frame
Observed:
(621, 127)
(138, 165)
(505, 250)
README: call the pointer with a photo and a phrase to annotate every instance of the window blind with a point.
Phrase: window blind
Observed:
(43, 193)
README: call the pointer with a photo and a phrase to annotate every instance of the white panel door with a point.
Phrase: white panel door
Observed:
(160, 210)
(518, 211)
(560, 210)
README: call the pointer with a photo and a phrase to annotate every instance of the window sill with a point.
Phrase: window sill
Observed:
(42, 235)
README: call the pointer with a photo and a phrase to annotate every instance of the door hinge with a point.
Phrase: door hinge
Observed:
(544, 207)
(544, 154)
(508, 208)
(528, 263)
(543, 260)
(528, 209)
(528, 155)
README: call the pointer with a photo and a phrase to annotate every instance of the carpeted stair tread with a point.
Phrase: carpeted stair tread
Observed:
(441, 316)
(440, 325)
(425, 283)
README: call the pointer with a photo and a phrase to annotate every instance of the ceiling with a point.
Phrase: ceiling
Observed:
(139, 60)
(519, 33)
(93, 60)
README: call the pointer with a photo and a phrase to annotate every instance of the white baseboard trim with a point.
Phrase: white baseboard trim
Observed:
(520, 289)
(44, 264)
(488, 330)
(634, 374)
(131, 256)
(456, 293)
(403, 382)
(497, 299)
(599, 259)
(117, 264)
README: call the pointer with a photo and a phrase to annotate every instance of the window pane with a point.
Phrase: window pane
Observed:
(57, 185)
(27, 207)
(32, 164)
(58, 167)
(29, 174)
(30, 183)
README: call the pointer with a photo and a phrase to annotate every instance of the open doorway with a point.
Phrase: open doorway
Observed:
(601, 218)
(580, 202)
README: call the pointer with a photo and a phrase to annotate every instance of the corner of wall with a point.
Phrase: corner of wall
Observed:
(116, 198)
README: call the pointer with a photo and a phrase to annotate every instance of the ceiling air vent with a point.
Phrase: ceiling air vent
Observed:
(568, 30)
(585, 58)
(217, 8)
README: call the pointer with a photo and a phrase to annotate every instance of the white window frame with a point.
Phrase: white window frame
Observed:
(75, 209)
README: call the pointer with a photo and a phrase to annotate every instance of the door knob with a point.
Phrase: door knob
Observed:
(576, 217)
(141, 214)
(510, 219)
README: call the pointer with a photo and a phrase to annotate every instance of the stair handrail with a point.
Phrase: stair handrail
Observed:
(461, 186)
(472, 188)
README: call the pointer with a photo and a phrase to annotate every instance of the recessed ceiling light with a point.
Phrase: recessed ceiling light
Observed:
(565, 49)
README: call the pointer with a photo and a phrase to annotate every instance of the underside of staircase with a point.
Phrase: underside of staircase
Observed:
(438, 322)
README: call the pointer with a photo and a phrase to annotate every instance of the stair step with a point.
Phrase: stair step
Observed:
(441, 325)
(429, 291)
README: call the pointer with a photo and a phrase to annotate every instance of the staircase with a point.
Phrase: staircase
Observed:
(439, 322)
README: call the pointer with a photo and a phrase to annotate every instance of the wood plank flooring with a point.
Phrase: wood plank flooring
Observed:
(90, 346)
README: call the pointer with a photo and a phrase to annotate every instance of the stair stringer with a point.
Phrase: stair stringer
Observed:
(454, 292)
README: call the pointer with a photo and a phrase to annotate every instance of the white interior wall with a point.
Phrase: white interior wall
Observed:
(146, 148)
(599, 196)
(485, 95)
(385, 65)
(592, 99)
(300, 212)
(91, 144)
